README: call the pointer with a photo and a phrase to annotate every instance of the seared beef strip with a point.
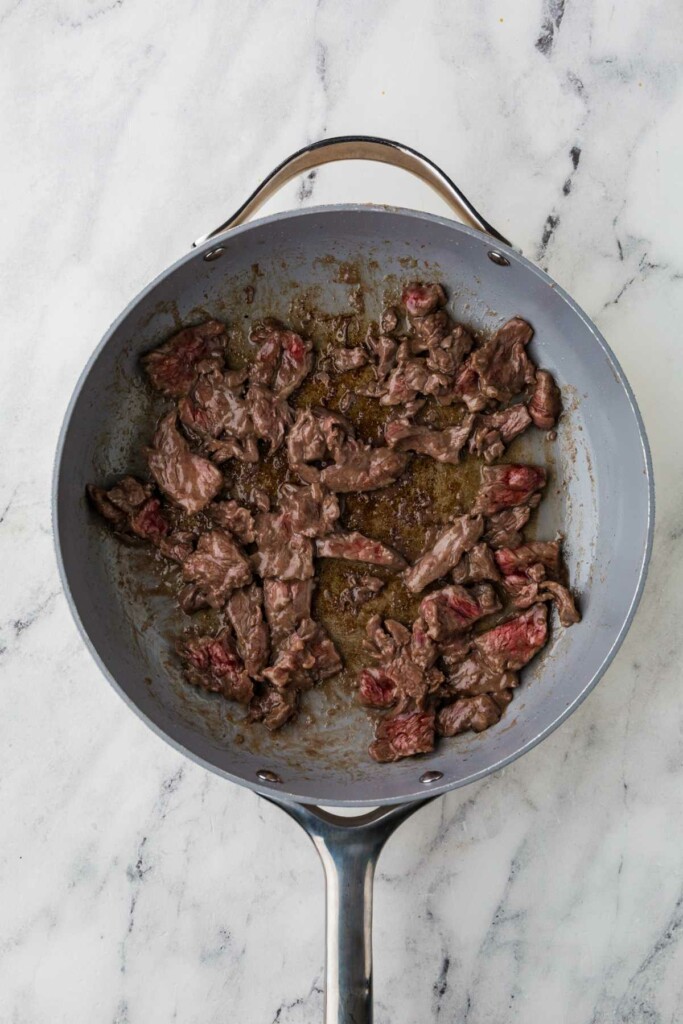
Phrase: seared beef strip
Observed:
(503, 529)
(476, 565)
(445, 554)
(270, 415)
(348, 359)
(296, 364)
(245, 611)
(454, 609)
(466, 387)
(281, 553)
(267, 335)
(493, 433)
(409, 380)
(446, 355)
(212, 663)
(421, 299)
(505, 486)
(308, 510)
(546, 402)
(360, 590)
(274, 707)
(286, 604)
(564, 602)
(503, 367)
(233, 517)
(190, 481)
(305, 657)
(476, 713)
(317, 434)
(406, 657)
(403, 735)
(192, 599)
(172, 368)
(515, 642)
(383, 349)
(218, 566)
(474, 675)
(215, 408)
(442, 445)
(363, 469)
(357, 548)
(376, 688)
(511, 561)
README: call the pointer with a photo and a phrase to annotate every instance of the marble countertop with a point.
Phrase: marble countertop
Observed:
(135, 887)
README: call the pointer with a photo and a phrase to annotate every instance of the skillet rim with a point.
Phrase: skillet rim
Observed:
(278, 792)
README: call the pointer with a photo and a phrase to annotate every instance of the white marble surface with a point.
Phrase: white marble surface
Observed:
(135, 888)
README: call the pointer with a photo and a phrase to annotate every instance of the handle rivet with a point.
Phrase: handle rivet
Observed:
(265, 775)
(429, 777)
(494, 256)
(213, 254)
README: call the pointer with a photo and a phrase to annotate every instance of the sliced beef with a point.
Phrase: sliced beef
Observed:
(125, 504)
(453, 653)
(473, 675)
(305, 657)
(445, 554)
(419, 299)
(564, 601)
(429, 330)
(466, 387)
(513, 643)
(189, 480)
(388, 321)
(506, 486)
(316, 434)
(359, 591)
(454, 609)
(308, 510)
(192, 599)
(218, 566)
(545, 405)
(504, 529)
(295, 365)
(376, 688)
(286, 604)
(281, 553)
(235, 518)
(273, 707)
(172, 368)
(348, 359)
(364, 469)
(406, 657)
(403, 735)
(442, 445)
(357, 548)
(518, 560)
(446, 355)
(177, 545)
(502, 364)
(215, 408)
(245, 611)
(411, 379)
(383, 349)
(477, 565)
(493, 433)
(476, 713)
(270, 414)
(267, 335)
(212, 663)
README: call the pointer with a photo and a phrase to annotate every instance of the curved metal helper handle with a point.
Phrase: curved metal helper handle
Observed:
(349, 849)
(359, 147)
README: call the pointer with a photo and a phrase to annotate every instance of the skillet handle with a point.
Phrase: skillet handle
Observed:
(349, 849)
(359, 147)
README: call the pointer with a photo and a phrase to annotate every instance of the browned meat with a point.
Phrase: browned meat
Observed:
(403, 735)
(245, 611)
(129, 507)
(306, 657)
(192, 599)
(177, 545)
(564, 602)
(212, 663)
(518, 560)
(286, 605)
(505, 486)
(406, 657)
(473, 675)
(360, 590)
(466, 387)
(281, 553)
(270, 415)
(409, 380)
(494, 432)
(502, 364)
(476, 565)
(515, 642)
(268, 336)
(296, 364)
(388, 321)
(446, 355)
(214, 409)
(274, 707)
(172, 368)
(429, 330)
(442, 445)
(476, 713)
(317, 434)
(384, 350)
(218, 566)
(446, 552)
(348, 359)
(454, 652)
(453, 609)
(364, 469)
(420, 299)
(233, 517)
(308, 510)
(503, 529)
(356, 548)
(189, 480)
(376, 689)
(546, 402)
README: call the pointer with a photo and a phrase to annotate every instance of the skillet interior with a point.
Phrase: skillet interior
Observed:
(599, 495)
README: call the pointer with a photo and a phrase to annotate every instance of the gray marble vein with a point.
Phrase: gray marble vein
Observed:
(138, 889)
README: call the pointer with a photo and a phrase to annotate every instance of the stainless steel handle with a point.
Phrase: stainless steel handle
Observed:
(359, 147)
(349, 849)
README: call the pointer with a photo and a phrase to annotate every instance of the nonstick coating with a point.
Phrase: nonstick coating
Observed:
(600, 495)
